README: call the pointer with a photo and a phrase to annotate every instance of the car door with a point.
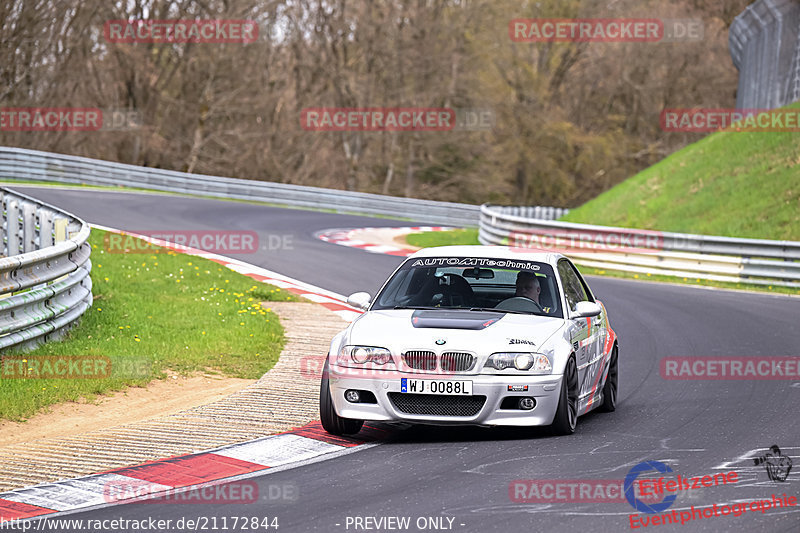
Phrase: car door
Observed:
(585, 332)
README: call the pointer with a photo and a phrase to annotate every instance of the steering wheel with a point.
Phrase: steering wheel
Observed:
(519, 303)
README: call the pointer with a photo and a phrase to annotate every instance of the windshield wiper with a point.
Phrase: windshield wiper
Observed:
(495, 310)
(421, 307)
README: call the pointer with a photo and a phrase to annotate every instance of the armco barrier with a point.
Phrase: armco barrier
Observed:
(754, 261)
(44, 273)
(18, 163)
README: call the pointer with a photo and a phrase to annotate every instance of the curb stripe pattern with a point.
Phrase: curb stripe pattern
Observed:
(162, 475)
(182, 471)
(349, 237)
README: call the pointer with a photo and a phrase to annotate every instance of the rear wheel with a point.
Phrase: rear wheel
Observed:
(332, 422)
(612, 381)
(567, 412)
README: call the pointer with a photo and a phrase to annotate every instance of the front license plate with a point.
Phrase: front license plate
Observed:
(436, 386)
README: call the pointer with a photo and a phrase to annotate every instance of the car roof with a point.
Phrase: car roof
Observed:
(492, 252)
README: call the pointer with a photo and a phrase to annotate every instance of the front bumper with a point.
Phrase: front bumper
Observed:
(544, 389)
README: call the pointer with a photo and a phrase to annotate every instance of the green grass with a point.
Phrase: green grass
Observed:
(737, 184)
(443, 238)
(154, 312)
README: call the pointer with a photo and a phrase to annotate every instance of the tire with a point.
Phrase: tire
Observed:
(332, 422)
(609, 404)
(567, 412)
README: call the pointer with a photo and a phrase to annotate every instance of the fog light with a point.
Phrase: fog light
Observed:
(526, 403)
(352, 396)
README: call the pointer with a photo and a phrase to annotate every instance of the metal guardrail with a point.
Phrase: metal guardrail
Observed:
(24, 164)
(19, 163)
(45, 285)
(754, 261)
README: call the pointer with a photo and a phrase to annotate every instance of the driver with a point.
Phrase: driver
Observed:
(528, 286)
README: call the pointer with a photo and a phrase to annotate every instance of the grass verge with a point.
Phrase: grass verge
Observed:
(153, 312)
(736, 184)
(427, 239)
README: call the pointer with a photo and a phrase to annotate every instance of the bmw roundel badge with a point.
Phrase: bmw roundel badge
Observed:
(440, 341)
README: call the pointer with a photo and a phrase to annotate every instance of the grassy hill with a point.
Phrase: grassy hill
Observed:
(738, 184)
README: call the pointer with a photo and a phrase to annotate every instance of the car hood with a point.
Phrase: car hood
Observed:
(472, 331)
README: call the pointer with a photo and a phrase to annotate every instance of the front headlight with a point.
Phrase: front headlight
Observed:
(533, 363)
(362, 355)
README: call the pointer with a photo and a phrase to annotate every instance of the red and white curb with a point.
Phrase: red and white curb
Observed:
(364, 238)
(275, 451)
(168, 476)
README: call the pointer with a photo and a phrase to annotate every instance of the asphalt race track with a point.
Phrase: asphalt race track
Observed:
(464, 473)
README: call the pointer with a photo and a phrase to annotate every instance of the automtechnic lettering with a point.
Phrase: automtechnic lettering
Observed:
(475, 261)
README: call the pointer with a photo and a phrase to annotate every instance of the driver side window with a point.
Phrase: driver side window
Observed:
(573, 288)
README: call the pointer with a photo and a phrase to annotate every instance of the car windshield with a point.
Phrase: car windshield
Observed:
(473, 283)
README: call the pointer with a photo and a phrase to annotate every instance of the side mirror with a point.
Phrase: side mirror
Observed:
(586, 310)
(359, 300)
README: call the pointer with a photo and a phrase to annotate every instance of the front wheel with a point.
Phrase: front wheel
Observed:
(612, 382)
(332, 422)
(567, 412)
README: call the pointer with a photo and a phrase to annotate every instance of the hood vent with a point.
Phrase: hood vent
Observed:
(453, 319)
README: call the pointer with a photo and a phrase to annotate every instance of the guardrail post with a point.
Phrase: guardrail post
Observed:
(28, 227)
(60, 229)
(12, 228)
(46, 228)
